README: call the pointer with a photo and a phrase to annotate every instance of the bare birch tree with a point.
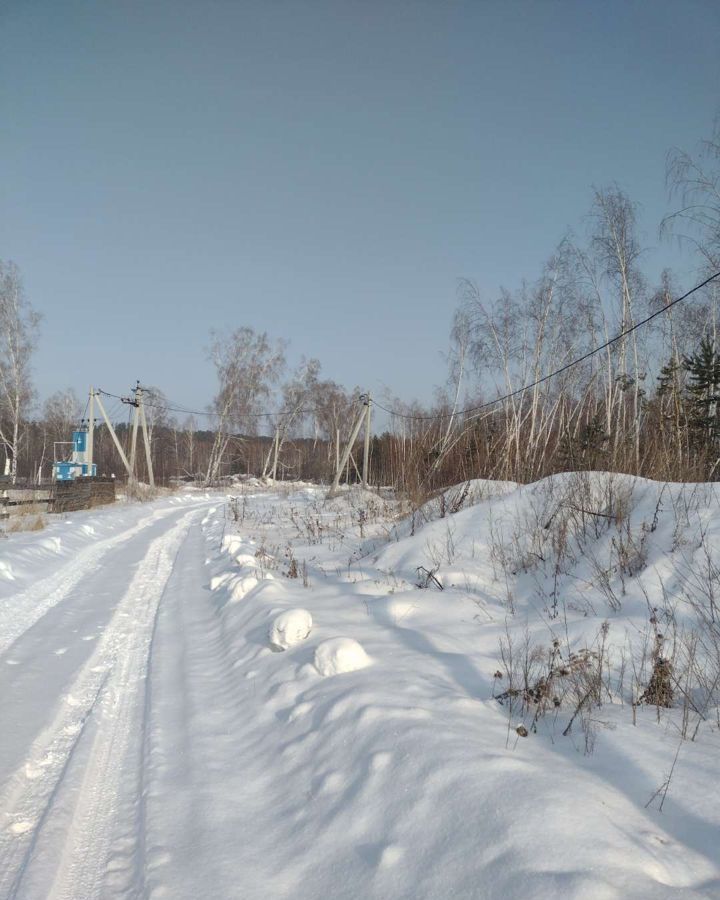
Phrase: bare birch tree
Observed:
(18, 338)
(248, 364)
(61, 413)
(615, 243)
(297, 397)
(460, 339)
(333, 415)
(695, 182)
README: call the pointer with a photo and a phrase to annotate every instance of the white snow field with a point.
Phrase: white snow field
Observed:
(274, 696)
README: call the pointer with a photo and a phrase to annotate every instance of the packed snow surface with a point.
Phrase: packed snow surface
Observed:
(153, 744)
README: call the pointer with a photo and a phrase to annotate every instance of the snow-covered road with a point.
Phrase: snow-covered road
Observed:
(73, 703)
(156, 742)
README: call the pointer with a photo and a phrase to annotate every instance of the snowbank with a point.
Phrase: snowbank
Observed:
(548, 608)
(499, 815)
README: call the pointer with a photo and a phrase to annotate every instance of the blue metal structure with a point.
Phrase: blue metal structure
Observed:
(77, 466)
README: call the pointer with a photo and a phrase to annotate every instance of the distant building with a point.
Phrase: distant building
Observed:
(77, 466)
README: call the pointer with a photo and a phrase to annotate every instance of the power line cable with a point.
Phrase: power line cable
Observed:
(462, 412)
(208, 413)
(556, 372)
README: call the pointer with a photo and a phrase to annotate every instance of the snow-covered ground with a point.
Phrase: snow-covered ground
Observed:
(273, 695)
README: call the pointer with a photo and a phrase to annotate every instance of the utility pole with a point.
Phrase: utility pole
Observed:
(118, 447)
(275, 456)
(272, 454)
(366, 453)
(136, 416)
(363, 417)
(91, 430)
(148, 458)
(139, 418)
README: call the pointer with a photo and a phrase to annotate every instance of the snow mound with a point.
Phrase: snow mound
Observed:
(356, 498)
(247, 560)
(232, 543)
(242, 586)
(340, 655)
(290, 628)
(217, 581)
(51, 543)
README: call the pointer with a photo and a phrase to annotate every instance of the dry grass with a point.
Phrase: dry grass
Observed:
(30, 519)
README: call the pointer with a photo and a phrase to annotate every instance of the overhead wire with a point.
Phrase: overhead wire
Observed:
(468, 411)
(574, 362)
(200, 412)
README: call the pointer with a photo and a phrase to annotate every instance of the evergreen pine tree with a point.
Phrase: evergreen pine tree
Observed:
(703, 368)
(669, 379)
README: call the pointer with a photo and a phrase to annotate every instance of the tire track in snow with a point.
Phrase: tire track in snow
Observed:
(193, 719)
(20, 612)
(109, 692)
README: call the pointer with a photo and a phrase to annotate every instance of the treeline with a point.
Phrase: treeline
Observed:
(526, 438)
(178, 454)
(647, 404)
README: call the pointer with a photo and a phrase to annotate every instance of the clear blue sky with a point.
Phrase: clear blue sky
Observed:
(324, 171)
